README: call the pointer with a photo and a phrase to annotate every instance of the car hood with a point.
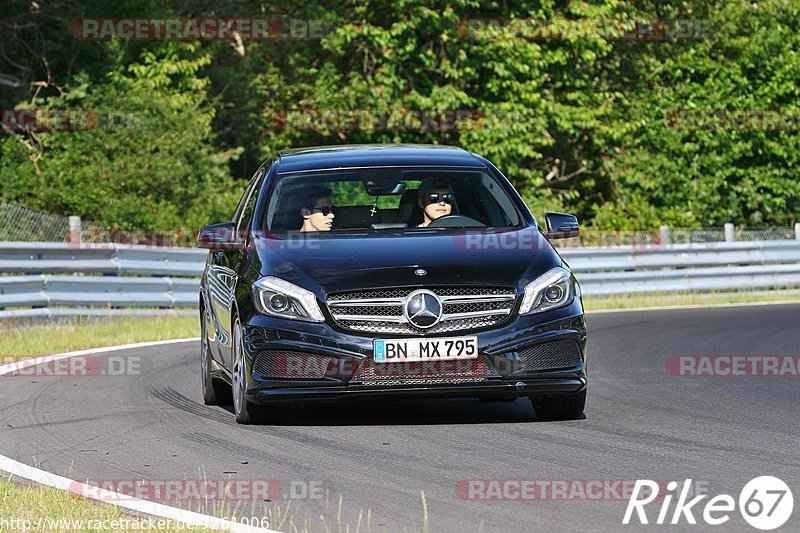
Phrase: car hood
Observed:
(343, 262)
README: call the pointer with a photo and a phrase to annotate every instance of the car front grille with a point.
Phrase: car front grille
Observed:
(551, 356)
(381, 311)
(423, 372)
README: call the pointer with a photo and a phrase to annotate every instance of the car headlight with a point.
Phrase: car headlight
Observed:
(551, 290)
(277, 297)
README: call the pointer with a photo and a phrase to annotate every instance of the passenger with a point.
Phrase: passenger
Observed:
(316, 208)
(436, 199)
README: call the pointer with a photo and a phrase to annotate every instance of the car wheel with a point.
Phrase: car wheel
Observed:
(559, 407)
(246, 412)
(213, 389)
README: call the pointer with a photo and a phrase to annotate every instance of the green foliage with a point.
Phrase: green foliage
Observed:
(683, 167)
(145, 157)
(584, 123)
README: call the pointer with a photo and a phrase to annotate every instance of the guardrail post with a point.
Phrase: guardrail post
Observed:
(797, 231)
(666, 236)
(730, 233)
(75, 231)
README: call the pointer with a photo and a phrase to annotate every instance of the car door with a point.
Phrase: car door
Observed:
(218, 283)
(230, 265)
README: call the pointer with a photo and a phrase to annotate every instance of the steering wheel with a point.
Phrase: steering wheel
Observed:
(455, 221)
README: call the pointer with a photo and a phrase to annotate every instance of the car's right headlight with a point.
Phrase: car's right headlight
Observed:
(277, 297)
(551, 290)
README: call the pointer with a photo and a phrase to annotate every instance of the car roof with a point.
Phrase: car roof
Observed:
(371, 155)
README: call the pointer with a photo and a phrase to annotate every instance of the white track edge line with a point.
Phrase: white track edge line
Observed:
(42, 477)
(12, 366)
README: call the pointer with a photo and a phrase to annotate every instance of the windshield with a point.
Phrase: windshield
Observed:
(382, 198)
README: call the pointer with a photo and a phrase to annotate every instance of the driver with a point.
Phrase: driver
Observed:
(316, 208)
(436, 199)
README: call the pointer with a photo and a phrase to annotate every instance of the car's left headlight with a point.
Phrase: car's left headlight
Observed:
(277, 297)
(551, 290)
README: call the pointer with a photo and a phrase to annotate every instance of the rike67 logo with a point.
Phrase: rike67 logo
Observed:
(766, 503)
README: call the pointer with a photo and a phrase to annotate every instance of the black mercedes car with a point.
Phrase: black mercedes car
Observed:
(397, 271)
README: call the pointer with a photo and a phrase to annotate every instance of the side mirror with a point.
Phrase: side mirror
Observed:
(218, 237)
(561, 225)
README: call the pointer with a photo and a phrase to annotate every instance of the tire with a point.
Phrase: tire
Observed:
(559, 407)
(214, 390)
(246, 412)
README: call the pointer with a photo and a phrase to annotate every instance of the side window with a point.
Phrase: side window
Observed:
(249, 205)
(242, 201)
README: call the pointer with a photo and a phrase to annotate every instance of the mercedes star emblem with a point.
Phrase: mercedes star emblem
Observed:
(423, 309)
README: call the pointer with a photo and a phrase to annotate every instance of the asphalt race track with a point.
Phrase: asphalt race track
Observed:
(641, 422)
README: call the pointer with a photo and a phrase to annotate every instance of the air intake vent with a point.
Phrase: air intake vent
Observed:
(551, 356)
(290, 365)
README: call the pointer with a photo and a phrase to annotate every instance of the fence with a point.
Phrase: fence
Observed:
(62, 278)
(666, 235)
(19, 223)
(692, 267)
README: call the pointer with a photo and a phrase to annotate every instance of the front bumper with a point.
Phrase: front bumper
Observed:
(500, 347)
(495, 388)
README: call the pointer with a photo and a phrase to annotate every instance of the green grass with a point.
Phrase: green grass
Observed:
(597, 303)
(31, 506)
(35, 504)
(19, 341)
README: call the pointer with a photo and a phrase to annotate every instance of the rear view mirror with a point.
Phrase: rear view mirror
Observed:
(383, 186)
(218, 237)
(561, 225)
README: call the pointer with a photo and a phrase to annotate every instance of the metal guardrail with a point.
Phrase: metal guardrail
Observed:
(53, 291)
(111, 279)
(118, 259)
(702, 279)
(125, 279)
(625, 258)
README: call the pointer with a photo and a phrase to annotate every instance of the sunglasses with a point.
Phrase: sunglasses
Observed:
(327, 210)
(435, 198)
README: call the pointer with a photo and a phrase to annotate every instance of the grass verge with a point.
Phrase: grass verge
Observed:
(33, 508)
(27, 508)
(20, 340)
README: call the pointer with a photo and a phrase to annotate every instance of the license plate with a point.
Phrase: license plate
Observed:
(439, 349)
